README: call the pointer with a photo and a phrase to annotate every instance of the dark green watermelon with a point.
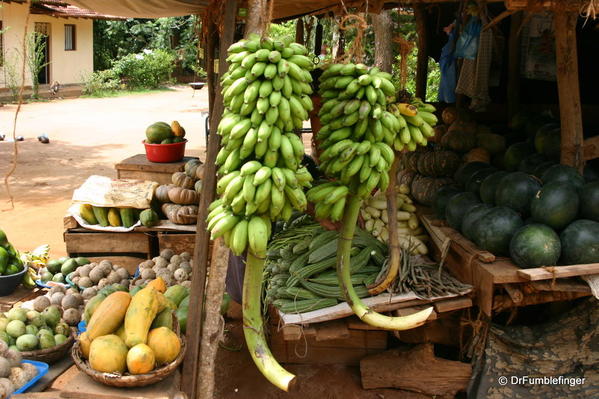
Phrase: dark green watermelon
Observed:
(589, 201)
(580, 242)
(548, 141)
(465, 171)
(590, 173)
(489, 186)
(494, 230)
(468, 222)
(515, 154)
(473, 184)
(541, 168)
(535, 245)
(529, 163)
(563, 174)
(555, 205)
(458, 206)
(441, 197)
(516, 190)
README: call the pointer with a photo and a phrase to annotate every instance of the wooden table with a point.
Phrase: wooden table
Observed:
(138, 167)
(21, 294)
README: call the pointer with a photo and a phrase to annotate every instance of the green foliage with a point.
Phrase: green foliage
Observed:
(283, 30)
(433, 77)
(36, 46)
(101, 83)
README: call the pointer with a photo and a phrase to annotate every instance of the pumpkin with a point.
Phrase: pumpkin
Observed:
(198, 187)
(180, 179)
(180, 214)
(165, 344)
(191, 166)
(109, 315)
(161, 192)
(140, 359)
(440, 131)
(108, 354)
(458, 140)
(477, 154)
(140, 314)
(405, 176)
(200, 172)
(183, 196)
(424, 188)
(438, 163)
(449, 115)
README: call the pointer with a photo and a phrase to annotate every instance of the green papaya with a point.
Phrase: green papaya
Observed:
(181, 314)
(149, 218)
(176, 293)
(128, 216)
(92, 305)
(101, 215)
(87, 213)
(3, 239)
(163, 319)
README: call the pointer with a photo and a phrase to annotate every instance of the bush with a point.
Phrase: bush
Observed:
(149, 69)
(101, 82)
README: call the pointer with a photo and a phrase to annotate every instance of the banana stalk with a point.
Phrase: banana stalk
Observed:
(253, 327)
(366, 314)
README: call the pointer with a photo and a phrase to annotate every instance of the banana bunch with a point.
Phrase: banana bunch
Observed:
(266, 95)
(419, 127)
(329, 198)
(357, 132)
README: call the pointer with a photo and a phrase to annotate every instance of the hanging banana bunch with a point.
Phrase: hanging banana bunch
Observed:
(420, 121)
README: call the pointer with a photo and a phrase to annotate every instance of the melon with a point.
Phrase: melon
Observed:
(441, 198)
(555, 205)
(580, 242)
(476, 179)
(541, 168)
(589, 201)
(488, 186)
(529, 164)
(462, 175)
(494, 143)
(458, 206)
(535, 245)
(548, 141)
(515, 154)
(494, 230)
(563, 174)
(468, 222)
(516, 190)
(158, 132)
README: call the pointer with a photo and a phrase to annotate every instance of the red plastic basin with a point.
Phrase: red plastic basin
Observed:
(165, 152)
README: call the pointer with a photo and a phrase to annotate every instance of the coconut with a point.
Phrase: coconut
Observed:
(89, 293)
(72, 291)
(40, 303)
(85, 282)
(186, 284)
(76, 280)
(18, 377)
(71, 317)
(85, 270)
(4, 367)
(105, 265)
(161, 263)
(56, 298)
(113, 278)
(172, 267)
(55, 289)
(155, 259)
(124, 282)
(3, 347)
(96, 274)
(148, 274)
(180, 275)
(185, 256)
(175, 259)
(123, 273)
(167, 253)
(69, 302)
(102, 283)
(14, 357)
(7, 386)
(30, 370)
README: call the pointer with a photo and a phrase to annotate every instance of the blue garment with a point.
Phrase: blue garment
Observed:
(467, 45)
(448, 80)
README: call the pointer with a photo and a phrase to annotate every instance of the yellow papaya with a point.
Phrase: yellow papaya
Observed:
(87, 213)
(108, 354)
(165, 344)
(142, 310)
(114, 217)
(121, 332)
(140, 359)
(158, 284)
(177, 129)
(109, 315)
(84, 344)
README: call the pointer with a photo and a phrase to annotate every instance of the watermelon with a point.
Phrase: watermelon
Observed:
(580, 242)
(473, 184)
(441, 197)
(494, 143)
(458, 206)
(158, 132)
(494, 230)
(563, 174)
(528, 164)
(548, 141)
(541, 168)
(465, 171)
(468, 222)
(589, 201)
(516, 190)
(535, 245)
(489, 186)
(515, 154)
(555, 205)
(590, 173)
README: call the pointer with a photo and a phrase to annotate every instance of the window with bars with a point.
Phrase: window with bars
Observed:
(70, 42)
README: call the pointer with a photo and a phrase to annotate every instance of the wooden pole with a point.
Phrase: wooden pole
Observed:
(211, 38)
(422, 57)
(568, 89)
(299, 31)
(255, 22)
(383, 50)
(190, 374)
(513, 79)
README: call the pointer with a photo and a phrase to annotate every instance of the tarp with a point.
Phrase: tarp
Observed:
(143, 8)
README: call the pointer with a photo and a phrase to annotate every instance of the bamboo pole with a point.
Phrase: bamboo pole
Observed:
(190, 374)
(422, 57)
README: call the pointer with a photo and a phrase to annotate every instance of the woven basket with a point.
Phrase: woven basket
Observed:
(127, 380)
(51, 355)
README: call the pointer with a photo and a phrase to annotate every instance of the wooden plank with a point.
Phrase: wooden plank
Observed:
(548, 273)
(561, 285)
(450, 305)
(69, 222)
(503, 271)
(415, 309)
(21, 294)
(591, 148)
(484, 290)
(422, 57)
(568, 89)
(37, 395)
(504, 302)
(107, 242)
(54, 372)
(335, 329)
(572, 5)
(441, 331)
(177, 242)
(140, 163)
(514, 292)
(158, 177)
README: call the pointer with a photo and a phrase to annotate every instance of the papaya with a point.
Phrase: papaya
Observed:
(4, 257)
(92, 305)
(177, 129)
(164, 319)
(101, 215)
(141, 312)
(176, 293)
(85, 343)
(87, 213)
(108, 354)
(159, 131)
(121, 332)
(158, 284)
(165, 344)
(140, 359)
(149, 218)
(109, 315)
(181, 314)
(114, 218)
(128, 216)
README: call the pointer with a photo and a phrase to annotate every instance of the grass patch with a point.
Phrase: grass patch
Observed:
(121, 93)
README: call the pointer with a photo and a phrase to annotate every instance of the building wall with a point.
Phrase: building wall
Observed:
(65, 66)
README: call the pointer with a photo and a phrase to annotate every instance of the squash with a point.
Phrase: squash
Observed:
(109, 314)
(477, 154)
(440, 131)
(142, 311)
(458, 140)
(180, 214)
(158, 284)
(437, 163)
(165, 344)
(200, 172)
(405, 176)
(140, 359)
(191, 166)
(180, 179)
(84, 344)
(183, 196)
(424, 189)
(161, 192)
(108, 354)
(449, 115)
(198, 187)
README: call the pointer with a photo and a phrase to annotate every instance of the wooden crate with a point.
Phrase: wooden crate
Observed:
(178, 242)
(138, 167)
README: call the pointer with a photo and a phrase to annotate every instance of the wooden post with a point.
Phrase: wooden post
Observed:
(256, 11)
(422, 57)
(189, 376)
(383, 50)
(513, 69)
(299, 31)
(568, 89)
(211, 38)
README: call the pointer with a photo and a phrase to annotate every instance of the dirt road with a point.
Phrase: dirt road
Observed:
(87, 136)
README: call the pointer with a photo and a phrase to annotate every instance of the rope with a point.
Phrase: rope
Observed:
(405, 48)
(356, 51)
(590, 10)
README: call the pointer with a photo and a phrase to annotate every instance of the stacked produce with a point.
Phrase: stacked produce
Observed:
(58, 269)
(411, 234)
(107, 216)
(95, 276)
(180, 199)
(10, 261)
(163, 133)
(13, 373)
(300, 267)
(172, 268)
(129, 334)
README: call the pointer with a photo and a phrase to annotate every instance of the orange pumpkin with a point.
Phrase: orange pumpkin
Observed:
(478, 154)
